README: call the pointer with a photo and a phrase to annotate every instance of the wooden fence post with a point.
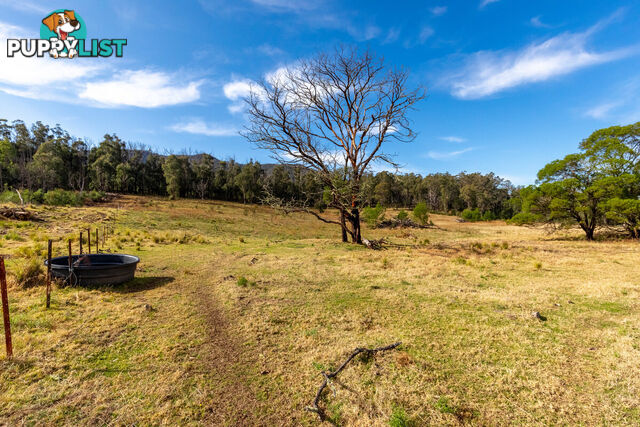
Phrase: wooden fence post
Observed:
(97, 248)
(89, 239)
(5, 309)
(80, 253)
(49, 244)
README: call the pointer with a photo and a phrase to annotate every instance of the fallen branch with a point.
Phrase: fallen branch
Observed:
(402, 223)
(330, 375)
(19, 214)
(374, 244)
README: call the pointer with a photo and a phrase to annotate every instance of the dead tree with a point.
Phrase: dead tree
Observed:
(334, 114)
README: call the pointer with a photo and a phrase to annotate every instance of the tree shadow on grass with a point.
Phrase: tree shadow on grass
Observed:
(140, 284)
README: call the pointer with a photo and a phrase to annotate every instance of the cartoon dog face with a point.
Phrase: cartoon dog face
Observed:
(62, 23)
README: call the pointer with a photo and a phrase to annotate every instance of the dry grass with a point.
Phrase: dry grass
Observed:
(460, 297)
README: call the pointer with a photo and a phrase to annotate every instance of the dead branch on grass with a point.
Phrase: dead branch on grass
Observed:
(18, 214)
(330, 375)
(374, 244)
(402, 223)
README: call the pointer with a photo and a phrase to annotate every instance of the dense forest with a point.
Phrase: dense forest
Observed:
(41, 158)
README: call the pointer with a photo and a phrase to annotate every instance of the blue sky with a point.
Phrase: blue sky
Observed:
(512, 84)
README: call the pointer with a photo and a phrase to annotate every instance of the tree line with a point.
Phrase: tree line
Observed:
(45, 158)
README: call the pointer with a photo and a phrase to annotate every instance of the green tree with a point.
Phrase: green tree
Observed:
(249, 181)
(104, 161)
(421, 213)
(7, 162)
(48, 166)
(177, 173)
(204, 173)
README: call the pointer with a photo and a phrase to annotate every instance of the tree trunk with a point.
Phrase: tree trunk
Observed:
(589, 234)
(343, 225)
(355, 226)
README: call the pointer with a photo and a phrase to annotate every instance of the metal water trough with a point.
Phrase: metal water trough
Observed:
(95, 269)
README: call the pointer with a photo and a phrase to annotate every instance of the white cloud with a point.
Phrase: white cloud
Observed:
(425, 33)
(441, 155)
(536, 22)
(288, 5)
(363, 34)
(200, 127)
(601, 111)
(489, 72)
(88, 81)
(267, 49)
(621, 105)
(484, 3)
(236, 91)
(392, 35)
(438, 10)
(37, 72)
(452, 139)
(141, 88)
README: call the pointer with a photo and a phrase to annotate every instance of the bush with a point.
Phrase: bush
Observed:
(402, 215)
(523, 218)
(37, 196)
(372, 216)
(9, 197)
(56, 197)
(471, 215)
(94, 196)
(29, 272)
(488, 216)
(62, 198)
(421, 213)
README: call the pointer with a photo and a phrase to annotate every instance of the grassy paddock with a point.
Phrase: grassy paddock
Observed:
(236, 310)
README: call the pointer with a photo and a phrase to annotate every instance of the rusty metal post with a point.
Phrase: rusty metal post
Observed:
(70, 261)
(49, 244)
(5, 309)
(89, 239)
(80, 243)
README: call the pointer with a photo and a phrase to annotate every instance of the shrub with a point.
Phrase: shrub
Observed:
(372, 216)
(402, 215)
(471, 215)
(28, 272)
(488, 216)
(61, 198)
(523, 218)
(421, 213)
(94, 196)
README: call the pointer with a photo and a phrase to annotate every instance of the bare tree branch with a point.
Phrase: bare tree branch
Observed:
(334, 114)
(330, 375)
